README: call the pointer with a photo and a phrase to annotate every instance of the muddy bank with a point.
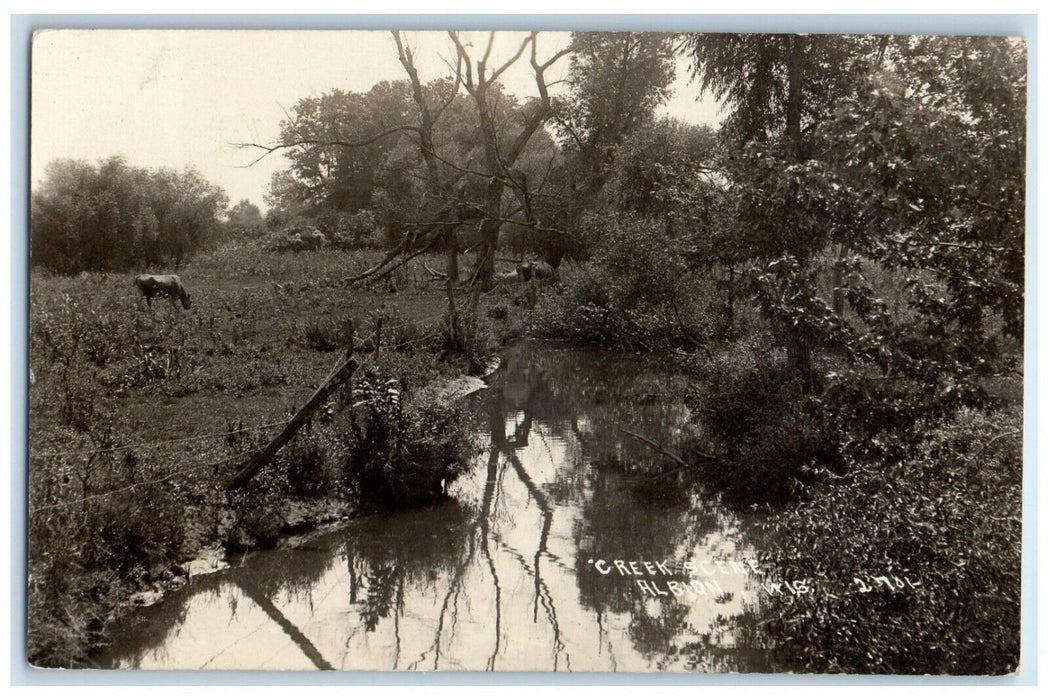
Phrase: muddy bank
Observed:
(460, 387)
(295, 518)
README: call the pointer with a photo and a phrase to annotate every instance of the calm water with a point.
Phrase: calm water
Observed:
(517, 572)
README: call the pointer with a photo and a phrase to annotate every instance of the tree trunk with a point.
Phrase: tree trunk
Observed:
(798, 362)
(798, 349)
(453, 259)
(453, 318)
(484, 275)
(838, 281)
(730, 310)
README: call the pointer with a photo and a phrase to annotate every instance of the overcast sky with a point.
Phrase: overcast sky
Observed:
(180, 98)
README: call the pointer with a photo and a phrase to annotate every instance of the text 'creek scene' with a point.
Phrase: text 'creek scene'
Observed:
(519, 351)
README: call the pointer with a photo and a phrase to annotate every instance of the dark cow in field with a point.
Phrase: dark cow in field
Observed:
(537, 270)
(169, 286)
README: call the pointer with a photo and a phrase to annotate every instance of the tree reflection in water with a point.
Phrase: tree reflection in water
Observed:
(501, 577)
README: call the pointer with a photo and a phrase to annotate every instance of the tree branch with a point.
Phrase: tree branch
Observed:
(505, 66)
(321, 142)
(460, 50)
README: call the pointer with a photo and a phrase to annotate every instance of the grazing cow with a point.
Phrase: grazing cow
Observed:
(537, 270)
(169, 286)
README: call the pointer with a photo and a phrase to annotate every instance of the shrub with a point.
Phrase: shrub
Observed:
(68, 610)
(144, 532)
(948, 519)
(257, 523)
(304, 462)
(324, 334)
(102, 337)
(770, 440)
(354, 231)
(404, 457)
(287, 242)
(638, 291)
(498, 312)
(255, 518)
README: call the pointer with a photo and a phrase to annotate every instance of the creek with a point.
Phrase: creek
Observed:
(570, 546)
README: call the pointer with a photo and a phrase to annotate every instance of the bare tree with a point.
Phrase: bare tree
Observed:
(447, 204)
(479, 80)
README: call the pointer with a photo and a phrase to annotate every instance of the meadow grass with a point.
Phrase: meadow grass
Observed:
(137, 416)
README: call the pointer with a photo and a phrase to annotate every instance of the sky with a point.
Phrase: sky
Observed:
(178, 98)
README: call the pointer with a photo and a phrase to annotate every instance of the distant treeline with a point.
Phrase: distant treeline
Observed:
(114, 216)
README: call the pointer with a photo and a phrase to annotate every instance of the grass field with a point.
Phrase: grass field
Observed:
(261, 333)
(137, 415)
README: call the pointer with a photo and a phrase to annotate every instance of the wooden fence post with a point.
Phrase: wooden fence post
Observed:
(261, 459)
(378, 334)
(345, 393)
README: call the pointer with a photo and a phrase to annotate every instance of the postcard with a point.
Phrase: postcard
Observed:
(631, 352)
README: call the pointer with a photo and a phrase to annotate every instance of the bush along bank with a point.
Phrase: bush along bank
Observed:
(911, 567)
(888, 490)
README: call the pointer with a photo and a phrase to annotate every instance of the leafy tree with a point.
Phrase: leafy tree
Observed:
(931, 161)
(188, 209)
(114, 216)
(617, 80)
(327, 175)
(667, 169)
(779, 89)
(908, 163)
(245, 215)
(780, 86)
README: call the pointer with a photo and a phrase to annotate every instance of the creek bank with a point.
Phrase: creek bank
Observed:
(390, 571)
(295, 518)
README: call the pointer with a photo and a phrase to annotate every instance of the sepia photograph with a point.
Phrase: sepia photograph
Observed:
(554, 351)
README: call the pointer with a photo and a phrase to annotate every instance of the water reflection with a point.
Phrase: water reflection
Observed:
(517, 572)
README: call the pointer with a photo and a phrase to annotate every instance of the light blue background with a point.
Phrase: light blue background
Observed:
(22, 27)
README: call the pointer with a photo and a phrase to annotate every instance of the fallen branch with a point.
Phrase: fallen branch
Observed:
(662, 450)
(436, 274)
(655, 446)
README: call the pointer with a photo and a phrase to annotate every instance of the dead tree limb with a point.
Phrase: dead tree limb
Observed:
(436, 273)
(262, 458)
(288, 145)
(655, 446)
(662, 450)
